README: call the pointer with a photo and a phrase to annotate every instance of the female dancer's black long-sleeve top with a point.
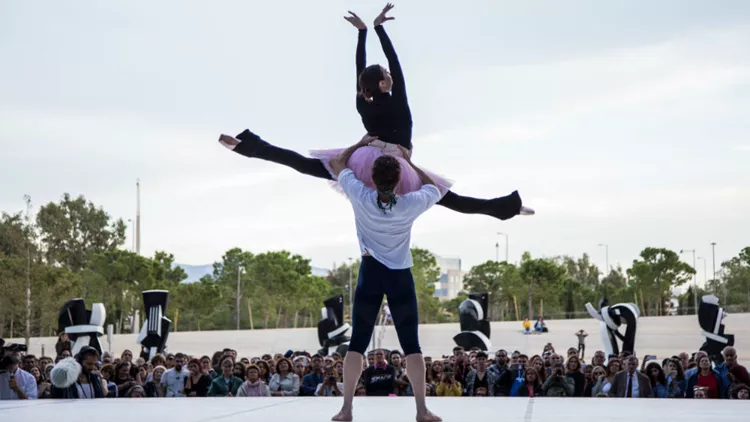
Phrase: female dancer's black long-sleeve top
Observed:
(388, 115)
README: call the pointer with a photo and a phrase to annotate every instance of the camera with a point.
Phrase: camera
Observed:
(12, 347)
(332, 379)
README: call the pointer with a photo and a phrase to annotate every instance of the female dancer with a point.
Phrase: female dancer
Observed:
(385, 112)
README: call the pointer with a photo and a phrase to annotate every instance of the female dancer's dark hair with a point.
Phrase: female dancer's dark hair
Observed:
(385, 115)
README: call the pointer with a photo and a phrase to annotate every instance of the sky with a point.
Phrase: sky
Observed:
(621, 122)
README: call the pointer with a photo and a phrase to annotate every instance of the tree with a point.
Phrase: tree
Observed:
(426, 273)
(544, 279)
(500, 280)
(655, 275)
(74, 229)
(736, 278)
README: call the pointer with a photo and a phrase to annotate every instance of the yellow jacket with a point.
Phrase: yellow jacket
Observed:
(448, 390)
(526, 324)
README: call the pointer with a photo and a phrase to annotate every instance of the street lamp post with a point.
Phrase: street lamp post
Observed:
(695, 280)
(713, 273)
(240, 270)
(606, 257)
(506, 247)
(705, 271)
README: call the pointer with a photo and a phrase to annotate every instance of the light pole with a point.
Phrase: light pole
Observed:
(713, 273)
(240, 271)
(351, 292)
(498, 249)
(606, 257)
(132, 237)
(695, 280)
(705, 272)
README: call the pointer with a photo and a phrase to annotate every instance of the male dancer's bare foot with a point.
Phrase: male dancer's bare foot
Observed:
(428, 417)
(344, 416)
(228, 141)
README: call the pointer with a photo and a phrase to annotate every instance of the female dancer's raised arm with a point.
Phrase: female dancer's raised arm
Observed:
(361, 56)
(398, 90)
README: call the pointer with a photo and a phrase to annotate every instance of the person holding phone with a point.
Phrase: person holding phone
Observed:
(448, 386)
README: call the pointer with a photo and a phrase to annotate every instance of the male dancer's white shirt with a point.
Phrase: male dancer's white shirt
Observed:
(386, 236)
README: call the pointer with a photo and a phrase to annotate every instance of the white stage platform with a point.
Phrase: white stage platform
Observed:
(371, 409)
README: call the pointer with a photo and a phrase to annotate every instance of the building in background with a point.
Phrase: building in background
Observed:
(451, 281)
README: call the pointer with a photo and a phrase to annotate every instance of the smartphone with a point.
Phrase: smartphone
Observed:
(650, 357)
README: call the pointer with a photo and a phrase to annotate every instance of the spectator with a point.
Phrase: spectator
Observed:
(599, 358)
(126, 356)
(338, 366)
(531, 387)
(227, 384)
(174, 378)
(284, 382)
(588, 377)
(448, 385)
(694, 369)
(206, 367)
(710, 381)
(107, 372)
(557, 384)
(88, 385)
(573, 368)
(44, 389)
(739, 391)
(526, 326)
(311, 381)
(630, 382)
(29, 363)
(599, 376)
(676, 382)
(480, 382)
(123, 380)
(197, 383)
(581, 342)
(300, 367)
(401, 381)
(154, 387)
(658, 380)
(732, 371)
(15, 383)
(330, 386)
(700, 393)
(253, 386)
(239, 370)
(62, 345)
(379, 378)
(265, 373)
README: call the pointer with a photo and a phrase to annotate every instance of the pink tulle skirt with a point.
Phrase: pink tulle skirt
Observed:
(361, 164)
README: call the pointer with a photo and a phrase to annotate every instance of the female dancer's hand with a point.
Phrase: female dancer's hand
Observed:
(382, 18)
(355, 20)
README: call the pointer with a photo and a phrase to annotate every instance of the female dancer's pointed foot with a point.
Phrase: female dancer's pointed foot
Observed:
(527, 211)
(428, 417)
(228, 141)
(250, 144)
(343, 416)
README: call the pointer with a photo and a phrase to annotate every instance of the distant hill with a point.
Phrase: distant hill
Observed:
(196, 272)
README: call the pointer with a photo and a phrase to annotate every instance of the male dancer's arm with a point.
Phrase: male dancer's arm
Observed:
(424, 177)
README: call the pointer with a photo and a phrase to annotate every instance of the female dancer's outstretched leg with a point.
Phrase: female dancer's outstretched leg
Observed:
(251, 145)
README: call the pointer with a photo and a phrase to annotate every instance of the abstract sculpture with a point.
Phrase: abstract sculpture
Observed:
(82, 326)
(475, 327)
(710, 315)
(332, 328)
(156, 326)
(611, 318)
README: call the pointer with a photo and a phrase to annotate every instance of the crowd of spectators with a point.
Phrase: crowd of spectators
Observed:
(463, 373)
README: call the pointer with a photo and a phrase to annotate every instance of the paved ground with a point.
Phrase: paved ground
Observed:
(660, 336)
(372, 409)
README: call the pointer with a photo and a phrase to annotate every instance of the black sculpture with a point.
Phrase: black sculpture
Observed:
(332, 328)
(611, 318)
(475, 327)
(710, 316)
(83, 327)
(156, 326)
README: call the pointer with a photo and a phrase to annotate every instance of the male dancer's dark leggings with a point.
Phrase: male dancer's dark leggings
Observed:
(504, 207)
(374, 281)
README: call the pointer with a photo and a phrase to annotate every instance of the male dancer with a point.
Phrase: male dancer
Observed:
(384, 224)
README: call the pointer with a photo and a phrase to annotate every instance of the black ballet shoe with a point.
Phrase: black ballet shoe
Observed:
(250, 144)
(504, 207)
